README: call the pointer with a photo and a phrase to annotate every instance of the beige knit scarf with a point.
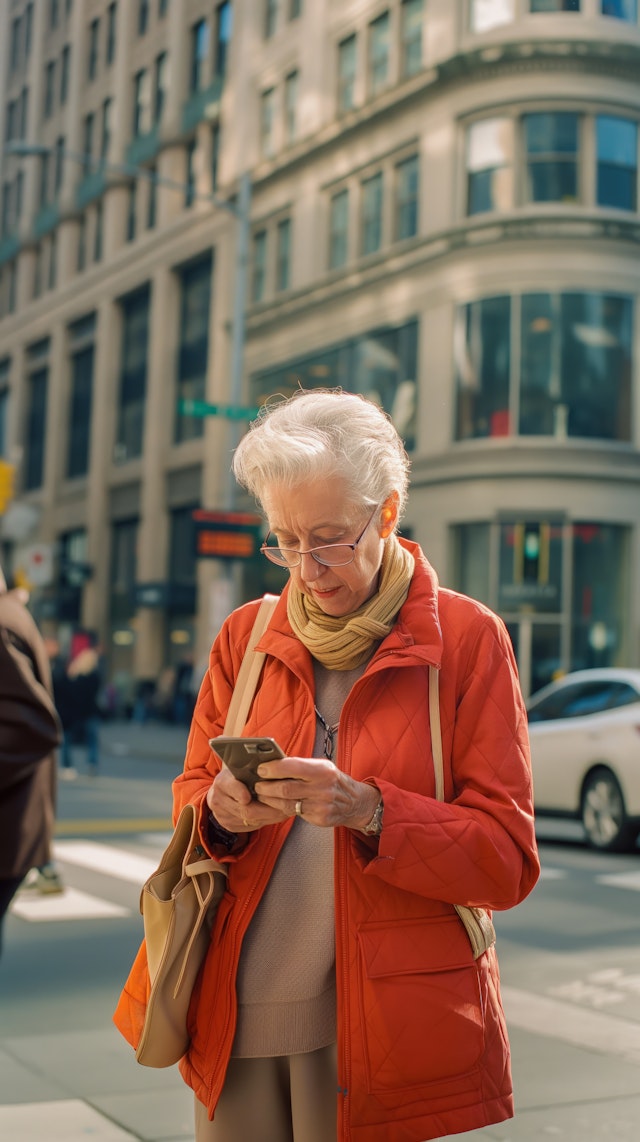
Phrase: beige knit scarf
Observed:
(346, 642)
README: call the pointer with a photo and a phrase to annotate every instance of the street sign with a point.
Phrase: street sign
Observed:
(7, 473)
(227, 535)
(201, 408)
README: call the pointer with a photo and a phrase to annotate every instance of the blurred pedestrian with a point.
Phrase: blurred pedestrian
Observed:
(29, 733)
(81, 710)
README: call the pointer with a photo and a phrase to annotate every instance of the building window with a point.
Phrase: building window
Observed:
(482, 354)
(14, 49)
(383, 361)
(267, 115)
(199, 54)
(124, 572)
(283, 254)
(43, 196)
(81, 355)
(551, 143)
(347, 73)
(488, 14)
(215, 156)
(407, 189)
(111, 33)
(617, 157)
(291, 106)
(37, 272)
(53, 14)
(64, 74)
(270, 17)
(554, 6)
(132, 210)
(489, 165)
(49, 88)
(105, 139)
(53, 261)
(339, 230)
(190, 176)
(163, 8)
(87, 140)
(24, 101)
(193, 352)
(372, 214)
(295, 8)
(36, 425)
(7, 219)
(141, 103)
(621, 10)
(143, 17)
(81, 259)
(152, 199)
(600, 595)
(133, 375)
(28, 29)
(412, 13)
(94, 36)
(572, 377)
(58, 164)
(259, 266)
(98, 233)
(160, 87)
(223, 37)
(379, 53)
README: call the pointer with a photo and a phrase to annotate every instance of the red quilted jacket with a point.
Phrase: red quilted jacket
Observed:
(422, 1044)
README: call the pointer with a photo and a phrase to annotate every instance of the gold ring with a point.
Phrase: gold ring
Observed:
(298, 808)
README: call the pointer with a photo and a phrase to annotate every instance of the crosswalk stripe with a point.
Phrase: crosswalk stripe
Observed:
(629, 880)
(569, 1023)
(71, 904)
(107, 859)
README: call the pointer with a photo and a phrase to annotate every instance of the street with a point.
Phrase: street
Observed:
(568, 955)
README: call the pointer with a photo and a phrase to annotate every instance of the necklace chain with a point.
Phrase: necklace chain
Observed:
(329, 735)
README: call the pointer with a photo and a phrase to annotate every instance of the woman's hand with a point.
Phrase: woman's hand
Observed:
(233, 807)
(328, 797)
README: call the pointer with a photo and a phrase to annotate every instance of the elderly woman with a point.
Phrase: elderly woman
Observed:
(340, 998)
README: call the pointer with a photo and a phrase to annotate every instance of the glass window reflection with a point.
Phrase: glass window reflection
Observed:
(381, 364)
(488, 14)
(482, 355)
(621, 9)
(551, 143)
(489, 165)
(617, 150)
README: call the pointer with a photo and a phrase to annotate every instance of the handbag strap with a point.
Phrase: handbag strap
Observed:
(436, 731)
(249, 671)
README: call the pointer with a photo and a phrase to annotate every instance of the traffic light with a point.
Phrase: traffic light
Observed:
(7, 472)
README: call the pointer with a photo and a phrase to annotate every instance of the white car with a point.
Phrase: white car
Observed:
(585, 749)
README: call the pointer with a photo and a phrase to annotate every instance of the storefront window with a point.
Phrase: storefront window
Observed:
(381, 364)
(600, 609)
(471, 560)
(482, 357)
(530, 576)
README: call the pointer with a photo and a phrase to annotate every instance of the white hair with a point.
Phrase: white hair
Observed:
(325, 432)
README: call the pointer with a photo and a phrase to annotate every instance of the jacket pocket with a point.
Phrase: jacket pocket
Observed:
(420, 1003)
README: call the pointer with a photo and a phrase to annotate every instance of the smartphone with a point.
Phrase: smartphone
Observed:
(243, 756)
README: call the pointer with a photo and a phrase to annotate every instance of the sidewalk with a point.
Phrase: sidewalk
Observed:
(159, 741)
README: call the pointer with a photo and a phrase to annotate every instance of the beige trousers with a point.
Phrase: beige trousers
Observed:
(290, 1098)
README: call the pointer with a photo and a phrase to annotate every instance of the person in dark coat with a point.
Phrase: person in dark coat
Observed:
(30, 731)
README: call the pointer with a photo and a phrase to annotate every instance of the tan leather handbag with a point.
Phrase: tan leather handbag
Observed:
(477, 921)
(180, 899)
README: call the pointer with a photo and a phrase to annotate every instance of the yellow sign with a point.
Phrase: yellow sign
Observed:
(7, 472)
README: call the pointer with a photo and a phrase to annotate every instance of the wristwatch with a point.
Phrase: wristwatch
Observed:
(374, 828)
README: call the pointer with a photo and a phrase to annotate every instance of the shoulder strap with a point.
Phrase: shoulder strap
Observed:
(249, 671)
(436, 732)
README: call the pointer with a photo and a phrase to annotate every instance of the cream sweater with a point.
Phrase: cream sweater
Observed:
(286, 974)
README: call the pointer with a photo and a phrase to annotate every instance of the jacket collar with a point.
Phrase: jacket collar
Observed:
(416, 637)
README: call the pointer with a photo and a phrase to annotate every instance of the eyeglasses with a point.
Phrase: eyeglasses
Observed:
(330, 555)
